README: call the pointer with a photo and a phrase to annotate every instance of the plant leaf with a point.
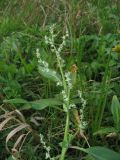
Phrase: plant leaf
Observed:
(14, 131)
(105, 130)
(16, 101)
(115, 109)
(19, 140)
(43, 103)
(10, 158)
(50, 74)
(101, 153)
(38, 104)
(5, 122)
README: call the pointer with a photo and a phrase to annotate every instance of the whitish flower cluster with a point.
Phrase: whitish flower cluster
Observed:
(45, 67)
(83, 123)
(66, 100)
(47, 148)
(65, 97)
(51, 40)
(65, 94)
(68, 79)
(59, 83)
(63, 42)
(72, 106)
(40, 61)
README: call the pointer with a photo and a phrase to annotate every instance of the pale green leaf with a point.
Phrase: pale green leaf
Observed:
(16, 101)
(38, 104)
(10, 158)
(105, 130)
(43, 103)
(49, 74)
(102, 153)
(115, 109)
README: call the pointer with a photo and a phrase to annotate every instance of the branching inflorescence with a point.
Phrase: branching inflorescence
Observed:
(65, 82)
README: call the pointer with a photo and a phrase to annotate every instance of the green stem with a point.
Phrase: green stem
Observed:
(62, 74)
(66, 133)
(66, 138)
(61, 71)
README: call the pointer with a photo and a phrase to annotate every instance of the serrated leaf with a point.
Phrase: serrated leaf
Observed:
(49, 73)
(115, 109)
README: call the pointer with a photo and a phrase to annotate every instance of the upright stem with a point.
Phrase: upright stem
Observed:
(66, 138)
(66, 132)
(62, 74)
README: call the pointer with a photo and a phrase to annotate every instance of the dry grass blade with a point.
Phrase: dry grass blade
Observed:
(33, 120)
(5, 122)
(16, 154)
(2, 116)
(20, 115)
(13, 132)
(8, 113)
(17, 143)
(24, 140)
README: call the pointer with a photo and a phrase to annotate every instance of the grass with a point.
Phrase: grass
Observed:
(94, 69)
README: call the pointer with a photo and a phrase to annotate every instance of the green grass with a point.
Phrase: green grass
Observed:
(93, 29)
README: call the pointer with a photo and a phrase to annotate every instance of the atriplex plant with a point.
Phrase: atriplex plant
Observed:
(65, 81)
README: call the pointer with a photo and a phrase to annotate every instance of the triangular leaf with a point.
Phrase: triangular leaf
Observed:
(49, 73)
